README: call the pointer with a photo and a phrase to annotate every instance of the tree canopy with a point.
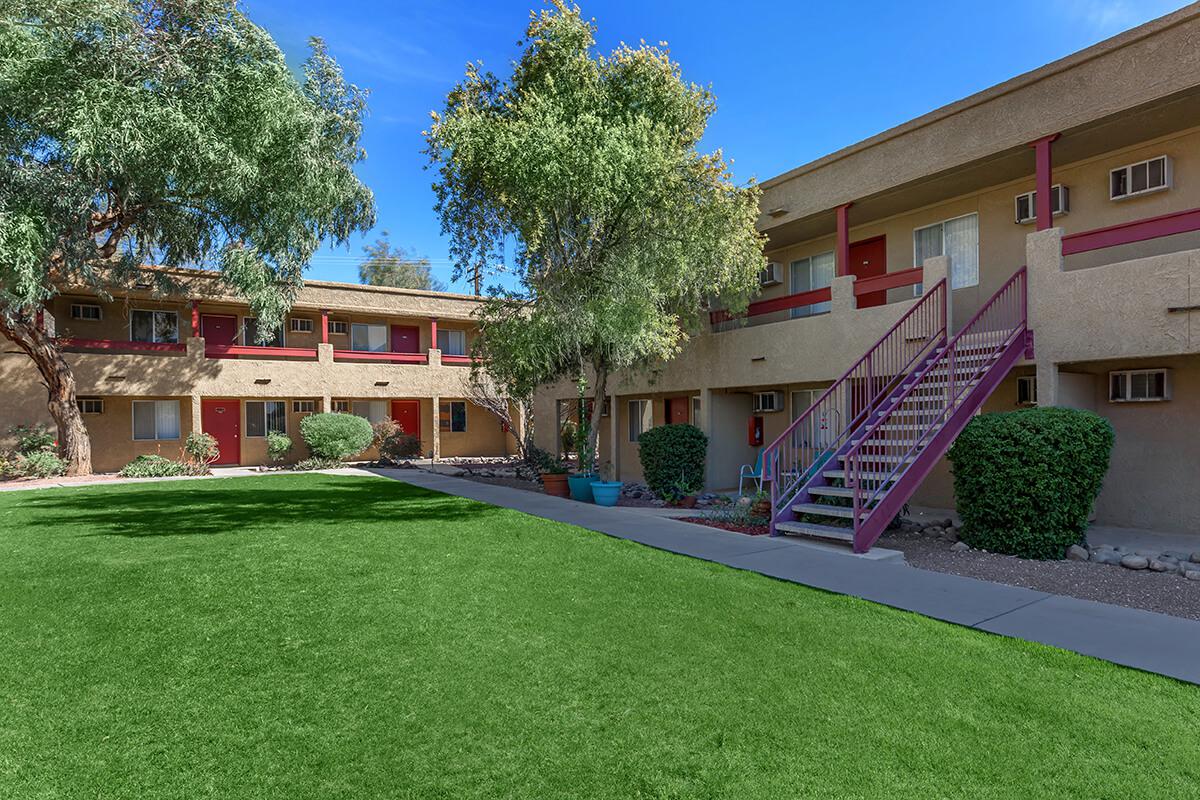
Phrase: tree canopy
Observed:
(164, 132)
(590, 164)
(385, 265)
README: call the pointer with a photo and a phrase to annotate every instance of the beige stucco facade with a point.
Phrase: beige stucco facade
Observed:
(1134, 306)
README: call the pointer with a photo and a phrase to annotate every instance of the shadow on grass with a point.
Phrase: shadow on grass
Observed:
(206, 508)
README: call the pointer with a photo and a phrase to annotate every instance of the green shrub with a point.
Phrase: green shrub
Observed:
(202, 449)
(278, 445)
(544, 460)
(154, 466)
(33, 439)
(394, 443)
(673, 459)
(309, 464)
(334, 437)
(1025, 481)
(38, 464)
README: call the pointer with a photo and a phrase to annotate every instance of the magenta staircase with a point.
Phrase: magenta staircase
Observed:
(846, 466)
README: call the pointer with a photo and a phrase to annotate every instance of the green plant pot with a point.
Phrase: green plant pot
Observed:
(606, 493)
(581, 487)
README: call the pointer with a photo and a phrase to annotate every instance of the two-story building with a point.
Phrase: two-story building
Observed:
(1073, 190)
(152, 369)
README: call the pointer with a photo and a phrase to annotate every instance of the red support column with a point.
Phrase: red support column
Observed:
(324, 326)
(195, 319)
(433, 333)
(843, 239)
(1045, 179)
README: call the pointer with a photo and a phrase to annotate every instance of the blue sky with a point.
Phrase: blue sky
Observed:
(793, 80)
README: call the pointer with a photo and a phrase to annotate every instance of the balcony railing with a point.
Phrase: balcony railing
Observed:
(110, 345)
(374, 355)
(1131, 232)
(250, 351)
(260, 351)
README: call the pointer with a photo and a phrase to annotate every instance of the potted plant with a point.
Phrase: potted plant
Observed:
(552, 472)
(760, 504)
(606, 491)
(680, 494)
(585, 461)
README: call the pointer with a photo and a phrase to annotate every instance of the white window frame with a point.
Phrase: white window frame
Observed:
(249, 341)
(1057, 190)
(1168, 178)
(301, 325)
(815, 308)
(154, 312)
(373, 411)
(95, 403)
(641, 412)
(156, 438)
(452, 333)
(1128, 375)
(341, 406)
(304, 406)
(449, 406)
(77, 312)
(387, 332)
(1031, 382)
(919, 288)
(339, 327)
(266, 430)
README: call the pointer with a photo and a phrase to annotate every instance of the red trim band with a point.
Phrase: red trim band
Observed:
(1129, 232)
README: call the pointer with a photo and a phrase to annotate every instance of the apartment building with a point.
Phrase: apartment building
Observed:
(152, 369)
(1038, 242)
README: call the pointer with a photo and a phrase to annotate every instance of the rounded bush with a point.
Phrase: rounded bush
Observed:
(1025, 481)
(153, 466)
(394, 443)
(278, 446)
(673, 459)
(38, 464)
(335, 437)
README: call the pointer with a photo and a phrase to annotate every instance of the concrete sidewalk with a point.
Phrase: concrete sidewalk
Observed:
(1134, 638)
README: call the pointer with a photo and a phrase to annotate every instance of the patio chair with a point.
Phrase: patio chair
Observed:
(752, 473)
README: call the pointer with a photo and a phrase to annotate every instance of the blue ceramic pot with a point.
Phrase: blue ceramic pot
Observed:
(606, 493)
(581, 487)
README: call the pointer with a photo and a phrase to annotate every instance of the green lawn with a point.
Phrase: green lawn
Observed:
(314, 636)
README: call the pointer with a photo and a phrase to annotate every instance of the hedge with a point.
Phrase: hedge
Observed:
(334, 437)
(673, 459)
(1025, 481)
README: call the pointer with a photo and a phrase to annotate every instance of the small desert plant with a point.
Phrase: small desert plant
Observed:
(38, 464)
(278, 446)
(154, 466)
(544, 461)
(335, 437)
(309, 464)
(33, 439)
(394, 443)
(200, 450)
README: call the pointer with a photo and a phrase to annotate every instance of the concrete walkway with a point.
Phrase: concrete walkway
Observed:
(1134, 638)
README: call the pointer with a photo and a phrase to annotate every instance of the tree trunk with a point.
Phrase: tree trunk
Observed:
(601, 379)
(73, 442)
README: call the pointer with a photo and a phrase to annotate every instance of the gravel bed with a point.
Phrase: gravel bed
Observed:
(1086, 580)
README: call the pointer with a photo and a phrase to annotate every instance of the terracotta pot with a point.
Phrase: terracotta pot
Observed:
(761, 508)
(555, 483)
(685, 502)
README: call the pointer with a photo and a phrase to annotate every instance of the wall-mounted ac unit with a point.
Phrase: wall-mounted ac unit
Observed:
(772, 275)
(767, 402)
(1026, 204)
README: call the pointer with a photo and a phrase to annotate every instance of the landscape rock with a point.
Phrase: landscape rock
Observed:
(960, 547)
(1192, 574)
(1157, 565)
(1077, 553)
(1195, 558)
(1135, 562)
(1111, 557)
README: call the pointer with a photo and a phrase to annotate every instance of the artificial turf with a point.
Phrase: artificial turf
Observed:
(317, 636)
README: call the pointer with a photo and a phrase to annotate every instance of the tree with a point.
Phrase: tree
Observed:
(167, 132)
(589, 163)
(388, 266)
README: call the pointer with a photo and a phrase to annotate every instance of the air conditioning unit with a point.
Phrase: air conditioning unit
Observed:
(767, 402)
(772, 275)
(1026, 204)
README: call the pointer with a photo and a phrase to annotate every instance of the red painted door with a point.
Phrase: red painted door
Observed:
(407, 413)
(223, 420)
(406, 339)
(678, 410)
(218, 329)
(868, 259)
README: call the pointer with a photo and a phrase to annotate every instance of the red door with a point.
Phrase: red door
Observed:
(223, 420)
(218, 329)
(406, 339)
(407, 413)
(868, 258)
(678, 410)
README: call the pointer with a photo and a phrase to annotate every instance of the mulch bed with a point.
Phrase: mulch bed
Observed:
(749, 530)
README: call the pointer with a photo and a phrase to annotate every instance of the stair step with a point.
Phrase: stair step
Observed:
(875, 477)
(882, 459)
(831, 491)
(817, 531)
(818, 509)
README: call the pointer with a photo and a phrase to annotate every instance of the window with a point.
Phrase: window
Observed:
(154, 326)
(304, 406)
(250, 334)
(265, 417)
(452, 343)
(641, 418)
(372, 338)
(1025, 205)
(155, 419)
(1027, 391)
(341, 406)
(85, 312)
(808, 274)
(301, 325)
(1139, 385)
(371, 410)
(1141, 178)
(339, 326)
(90, 405)
(957, 238)
(453, 416)
(696, 411)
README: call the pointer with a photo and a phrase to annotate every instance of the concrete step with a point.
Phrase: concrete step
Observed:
(831, 491)
(830, 532)
(874, 477)
(818, 509)
(880, 459)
